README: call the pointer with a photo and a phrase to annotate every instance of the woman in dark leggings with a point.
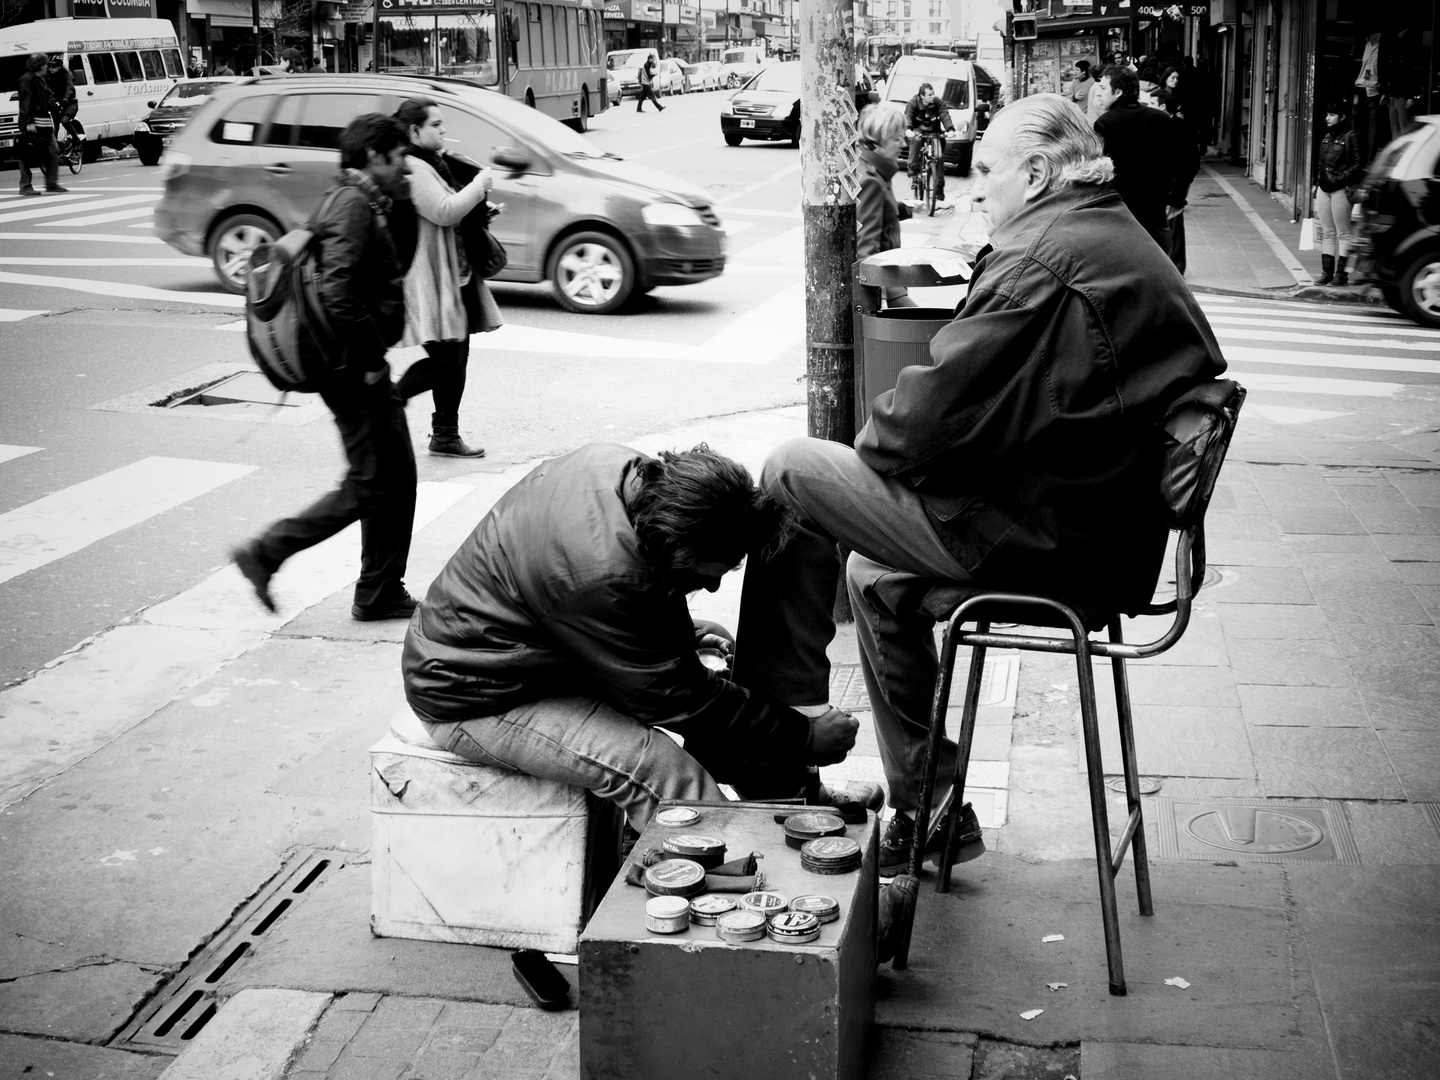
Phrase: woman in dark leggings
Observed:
(445, 298)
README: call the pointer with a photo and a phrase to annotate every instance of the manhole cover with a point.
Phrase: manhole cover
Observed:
(1254, 830)
(1148, 785)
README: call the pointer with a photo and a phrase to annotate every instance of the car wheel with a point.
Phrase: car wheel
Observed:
(148, 157)
(582, 122)
(593, 273)
(1391, 295)
(733, 139)
(231, 244)
(91, 152)
(1420, 289)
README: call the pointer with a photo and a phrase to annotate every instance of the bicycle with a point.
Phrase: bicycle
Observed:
(72, 151)
(928, 181)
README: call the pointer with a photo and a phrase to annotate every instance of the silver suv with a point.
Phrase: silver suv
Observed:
(254, 161)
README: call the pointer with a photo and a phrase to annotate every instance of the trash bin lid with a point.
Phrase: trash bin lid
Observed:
(913, 267)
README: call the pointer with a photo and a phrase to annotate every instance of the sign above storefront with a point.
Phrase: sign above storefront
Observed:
(112, 9)
(435, 7)
(1174, 11)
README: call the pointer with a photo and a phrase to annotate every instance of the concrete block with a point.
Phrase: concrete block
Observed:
(1333, 763)
(253, 1037)
(1144, 1061)
(1416, 758)
(1303, 706)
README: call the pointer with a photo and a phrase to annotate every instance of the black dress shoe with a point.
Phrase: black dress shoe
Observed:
(57, 190)
(899, 841)
(248, 560)
(401, 607)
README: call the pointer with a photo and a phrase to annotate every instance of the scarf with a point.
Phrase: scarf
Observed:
(437, 162)
(371, 190)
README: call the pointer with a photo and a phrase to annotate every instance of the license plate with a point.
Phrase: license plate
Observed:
(747, 123)
(167, 140)
(6, 142)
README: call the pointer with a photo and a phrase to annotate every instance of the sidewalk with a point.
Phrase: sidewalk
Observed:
(1302, 702)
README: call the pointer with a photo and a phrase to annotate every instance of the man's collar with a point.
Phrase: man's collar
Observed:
(366, 183)
(1047, 206)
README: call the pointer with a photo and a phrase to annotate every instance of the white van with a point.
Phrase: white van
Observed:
(954, 83)
(741, 62)
(624, 67)
(118, 66)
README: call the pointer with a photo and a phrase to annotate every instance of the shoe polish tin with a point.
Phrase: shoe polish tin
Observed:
(667, 914)
(708, 851)
(678, 817)
(740, 926)
(794, 927)
(824, 908)
(831, 855)
(675, 877)
(765, 903)
(706, 910)
(801, 828)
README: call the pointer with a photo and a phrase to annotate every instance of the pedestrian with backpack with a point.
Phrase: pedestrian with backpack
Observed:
(446, 299)
(361, 291)
(646, 76)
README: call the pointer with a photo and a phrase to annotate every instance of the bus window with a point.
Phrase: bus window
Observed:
(572, 36)
(130, 69)
(548, 31)
(153, 65)
(77, 70)
(102, 65)
(173, 67)
(535, 56)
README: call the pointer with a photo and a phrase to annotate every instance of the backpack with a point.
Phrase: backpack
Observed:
(290, 335)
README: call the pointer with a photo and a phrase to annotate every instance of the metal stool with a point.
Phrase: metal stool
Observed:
(1195, 436)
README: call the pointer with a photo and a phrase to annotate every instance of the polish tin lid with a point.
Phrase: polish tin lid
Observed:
(667, 914)
(675, 877)
(824, 908)
(766, 903)
(800, 828)
(736, 926)
(794, 927)
(703, 847)
(706, 910)
(678, 817)
(831, 855)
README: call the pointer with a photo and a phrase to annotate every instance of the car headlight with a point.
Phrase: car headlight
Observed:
(141, 128)
(670, 213)
(727, 108)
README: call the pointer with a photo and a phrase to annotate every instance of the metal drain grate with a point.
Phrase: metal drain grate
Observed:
(1432, 811)
(178, 1012)
(1254, 830)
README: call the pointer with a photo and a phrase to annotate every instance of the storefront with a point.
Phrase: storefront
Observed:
(224, 33)
(635, 24)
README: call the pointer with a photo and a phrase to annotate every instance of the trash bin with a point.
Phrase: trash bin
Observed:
(888, 339)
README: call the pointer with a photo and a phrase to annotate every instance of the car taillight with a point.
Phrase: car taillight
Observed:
(173, 165)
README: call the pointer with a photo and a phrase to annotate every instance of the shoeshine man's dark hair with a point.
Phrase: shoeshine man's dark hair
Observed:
(697, 506)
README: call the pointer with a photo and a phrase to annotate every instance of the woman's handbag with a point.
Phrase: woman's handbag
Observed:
(487, 255)
(1307, 234)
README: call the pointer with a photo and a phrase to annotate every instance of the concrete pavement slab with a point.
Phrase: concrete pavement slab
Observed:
(1410, 547)
(898, 1054)
(1397, 671)
(1142, 1061)
(1413, 755)
(1281, 662)
(23, 1058)
(1395, 834)
(1369, 602)
(252, 1038)
(1261, 585)
(1183, 740)
(1303, 706)
(1333, 763)
(88, 1001)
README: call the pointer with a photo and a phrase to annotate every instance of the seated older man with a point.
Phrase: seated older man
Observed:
(1023, 458)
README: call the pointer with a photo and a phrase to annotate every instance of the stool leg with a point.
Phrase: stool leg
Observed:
(1090, 725)
(1136, 826)
(962, 761)
(943, 677)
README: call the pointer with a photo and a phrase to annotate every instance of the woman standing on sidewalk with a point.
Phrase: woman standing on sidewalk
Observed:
(1339, 167)
(445, 299)
(877, 213)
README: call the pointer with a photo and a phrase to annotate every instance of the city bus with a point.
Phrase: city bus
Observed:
(549, 54)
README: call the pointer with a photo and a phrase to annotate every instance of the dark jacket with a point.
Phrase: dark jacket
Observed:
(927, 119)
(877, 214)
(1339, 164)
(1153, 162)
(646, 74)
(36, 102)
(1032, 438)
(551, 596)
(362, 276)
(62, 93)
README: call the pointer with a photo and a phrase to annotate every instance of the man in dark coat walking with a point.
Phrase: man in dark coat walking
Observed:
(1153, 167)
(37, 127)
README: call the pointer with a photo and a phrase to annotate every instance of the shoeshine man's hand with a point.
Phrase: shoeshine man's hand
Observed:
(832, 736)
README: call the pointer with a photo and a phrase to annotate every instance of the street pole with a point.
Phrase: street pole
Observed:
(255, 18)
(829, 163)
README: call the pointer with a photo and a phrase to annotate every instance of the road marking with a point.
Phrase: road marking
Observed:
(16, 314)
(780, 175)
(101, 219)
(98, 238)
(10, 453)
(187, 260)
(788, 214)
(238, 324)
(88, 190)
(733, 227)
(787, 247)
(61, 524)
(115, 288)
(766, 331)
(669, 149)
(51, 210)
(1285, 414)
(1309, 312)
(1301, 384)
(1282, 253)
(1240, 354)
(516, 338)
(1318, 321)
(1431, 346)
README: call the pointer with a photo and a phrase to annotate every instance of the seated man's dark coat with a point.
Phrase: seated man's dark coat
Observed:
(1032, 438)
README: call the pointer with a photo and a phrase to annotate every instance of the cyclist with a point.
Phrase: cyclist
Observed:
(64, 102)
(925, 117)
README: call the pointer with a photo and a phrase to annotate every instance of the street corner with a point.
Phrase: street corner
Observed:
(254, 1036)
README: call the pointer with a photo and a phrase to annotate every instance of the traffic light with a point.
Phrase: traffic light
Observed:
(1024, 27)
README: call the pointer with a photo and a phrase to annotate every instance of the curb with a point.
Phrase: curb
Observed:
(1363, 295)
(254, 1036)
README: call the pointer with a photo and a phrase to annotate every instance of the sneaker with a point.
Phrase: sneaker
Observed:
(402, 607)
(256, 572)
(900, 839)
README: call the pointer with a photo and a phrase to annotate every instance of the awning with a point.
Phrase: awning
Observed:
(233, 12)
(1069, 24)
(418, 20)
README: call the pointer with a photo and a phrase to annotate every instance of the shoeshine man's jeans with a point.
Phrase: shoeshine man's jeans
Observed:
(786, 618)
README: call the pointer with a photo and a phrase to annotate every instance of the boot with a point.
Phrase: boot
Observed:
(445, 440)
(1341, 277)
(1327, 265)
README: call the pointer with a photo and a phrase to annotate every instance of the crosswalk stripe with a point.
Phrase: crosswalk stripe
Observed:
(1311, 314)
(49, 209)
(97, 238)
(1305, 384)
(1238, 354)
(183, 260)
(10, 453)
(115, 288)
(82, 188)
(101, 219)
(778, 322)
(63, 523)
(16, 314)
(1302, 323)
(1290, 337)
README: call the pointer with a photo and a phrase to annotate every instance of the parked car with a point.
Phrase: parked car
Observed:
(954, 83)
(670, 77)
(708, 75)
(741, 63)
(256, 158)
(767, 107)
(1397, 243)
(170, 114)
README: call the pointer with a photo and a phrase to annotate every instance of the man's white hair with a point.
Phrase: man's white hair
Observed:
(1051, 127)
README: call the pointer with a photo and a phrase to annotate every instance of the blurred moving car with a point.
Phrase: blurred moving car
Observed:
(1397, 242)
(170, 114)
(256, 158)
(670, 77)
(954, 83)
(767, 108)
